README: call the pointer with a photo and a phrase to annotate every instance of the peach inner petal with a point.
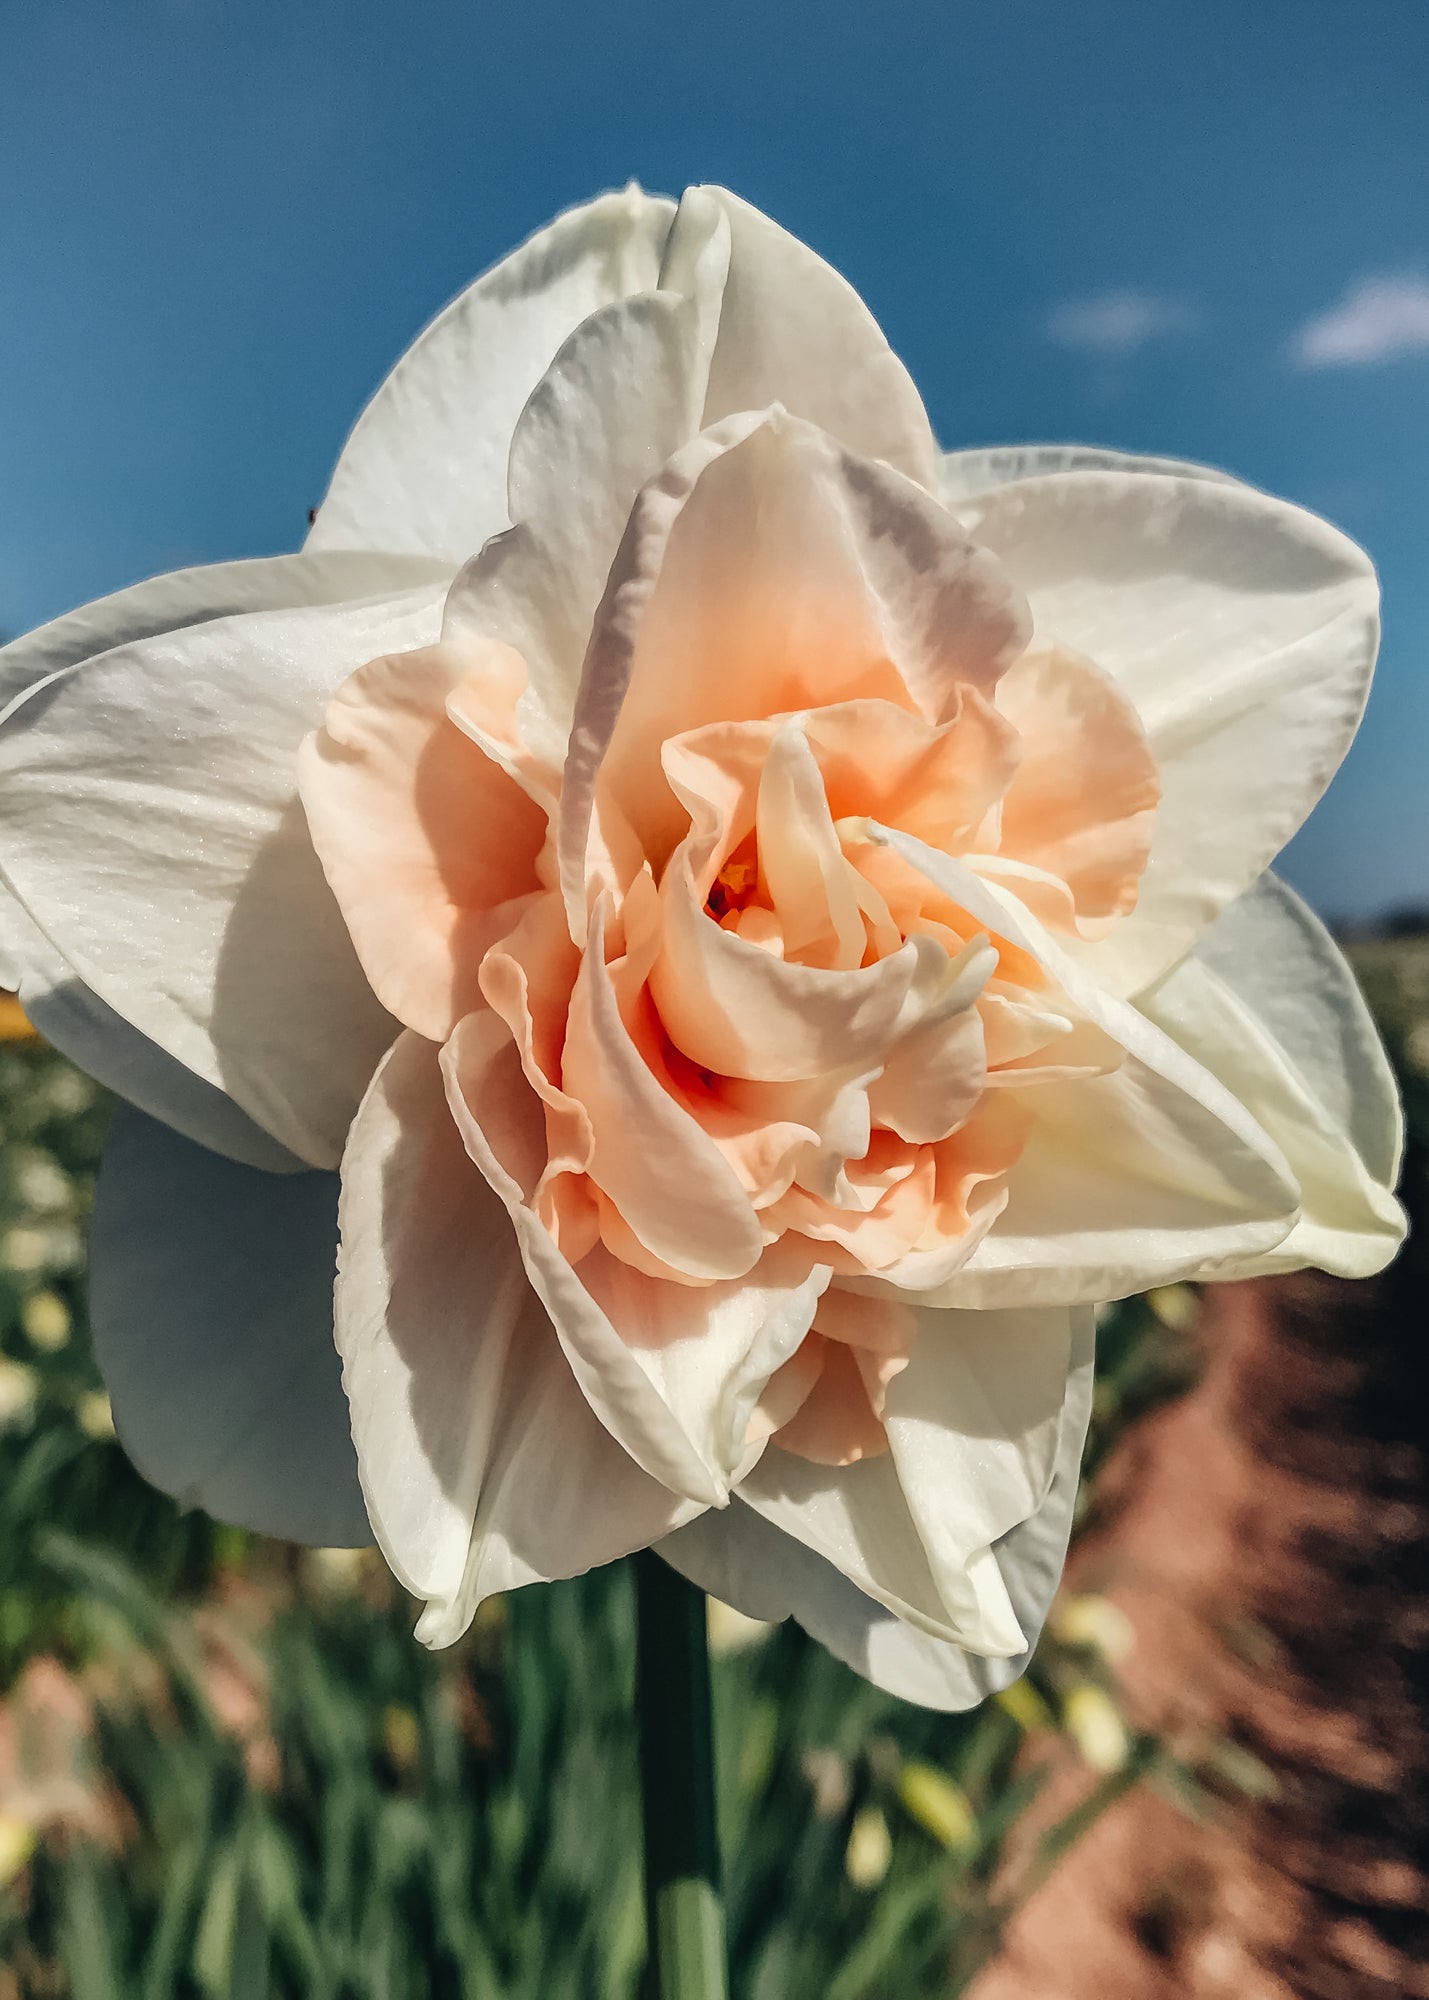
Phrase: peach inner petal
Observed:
(428, 844)
(1082, 804)
(836, 1424)
(833, 1387)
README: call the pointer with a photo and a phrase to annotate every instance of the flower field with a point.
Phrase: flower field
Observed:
(226, 1768)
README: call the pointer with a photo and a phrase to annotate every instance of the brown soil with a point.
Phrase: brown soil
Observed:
(1268, 1538)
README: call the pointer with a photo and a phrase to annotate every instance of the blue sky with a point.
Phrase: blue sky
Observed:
(1200, 230)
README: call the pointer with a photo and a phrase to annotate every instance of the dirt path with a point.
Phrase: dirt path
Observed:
(1268, 1538)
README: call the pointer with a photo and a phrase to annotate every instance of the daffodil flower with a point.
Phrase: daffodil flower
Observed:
(727, 929)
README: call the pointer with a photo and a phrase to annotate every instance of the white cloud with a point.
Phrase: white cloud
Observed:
(1113, 325)
(1382, 317)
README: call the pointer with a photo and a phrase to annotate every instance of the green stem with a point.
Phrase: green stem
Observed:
(683, 1907)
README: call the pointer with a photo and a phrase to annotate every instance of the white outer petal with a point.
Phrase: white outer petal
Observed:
(768, 1574)
(1272, 948)
(1268, 1003)
(58, 1002)
(967, 475)
(105, 1046)
(193, 596)
(973, 1423)
(483, 1464)
(211, 1301)
(164, 604)
(791, 330)
(425, 466)
(745, 316)
(1243, 629)
(149, 822)
(621, 396)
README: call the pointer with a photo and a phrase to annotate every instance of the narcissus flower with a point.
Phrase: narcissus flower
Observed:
(730, 930)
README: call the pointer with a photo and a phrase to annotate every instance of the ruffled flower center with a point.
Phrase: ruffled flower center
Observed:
(767, 1033)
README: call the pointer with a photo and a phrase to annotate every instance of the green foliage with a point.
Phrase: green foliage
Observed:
(226, 1768)
(1394, 972)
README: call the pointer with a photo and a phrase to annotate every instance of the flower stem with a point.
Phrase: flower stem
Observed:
(684, 1912)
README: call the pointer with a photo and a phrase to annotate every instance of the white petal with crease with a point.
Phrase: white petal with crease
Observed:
(149, 822)
(61, 1006)
(791, 330)
(619, 399)
(1152, 1173)
(857, 1516)
(1269, 1005)
(483, 1464)
(973, 1422)
(1243, 629)
(425, 466)
(1282, 962)
(770, 1574)
(193, 596)
(967, 475)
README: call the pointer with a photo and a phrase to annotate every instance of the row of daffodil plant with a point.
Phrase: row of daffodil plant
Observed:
(225, 1770)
